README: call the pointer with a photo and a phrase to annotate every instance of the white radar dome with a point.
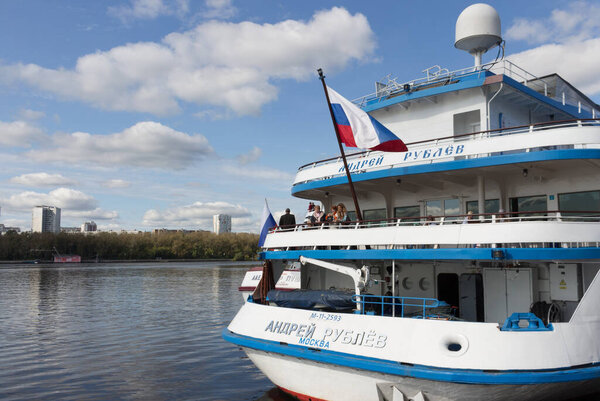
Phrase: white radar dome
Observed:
(478, 29)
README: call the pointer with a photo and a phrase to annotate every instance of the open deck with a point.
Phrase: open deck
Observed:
(540, 229)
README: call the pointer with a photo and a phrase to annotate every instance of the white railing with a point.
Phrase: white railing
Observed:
(491, 218)
(438, 74)
(476, 136)
(536, 229)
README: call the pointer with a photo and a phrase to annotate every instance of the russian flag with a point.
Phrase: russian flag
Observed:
(268, 222)
(359, 130)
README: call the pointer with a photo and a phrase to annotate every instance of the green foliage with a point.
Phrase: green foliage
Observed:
(113, 246)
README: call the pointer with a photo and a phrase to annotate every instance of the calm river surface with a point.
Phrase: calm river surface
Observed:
(123, 332)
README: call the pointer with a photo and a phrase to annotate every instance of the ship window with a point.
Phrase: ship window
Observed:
(529, 204)
(407, 212)
(446, 207)
(466, 123)
(491, 206)
(374, 214)
(433, 208)
(579, 202)
(451, 208)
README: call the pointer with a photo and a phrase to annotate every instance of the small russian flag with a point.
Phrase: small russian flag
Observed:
(359, 130)
(268, 222)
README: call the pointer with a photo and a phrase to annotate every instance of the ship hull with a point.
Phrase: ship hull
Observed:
(335, 356)
(310, 380)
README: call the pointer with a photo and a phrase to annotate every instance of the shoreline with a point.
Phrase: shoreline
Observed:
(124, 261)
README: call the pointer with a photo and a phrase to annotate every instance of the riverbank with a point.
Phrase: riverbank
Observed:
(130, 261)
(129, 247)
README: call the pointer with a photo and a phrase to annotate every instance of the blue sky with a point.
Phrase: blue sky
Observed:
(143, 114)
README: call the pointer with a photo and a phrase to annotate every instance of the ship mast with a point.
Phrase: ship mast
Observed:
(339, 139)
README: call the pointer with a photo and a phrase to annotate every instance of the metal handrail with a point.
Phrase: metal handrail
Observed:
(396, 306)
(503, 131)
(505, 67)
(547, 215)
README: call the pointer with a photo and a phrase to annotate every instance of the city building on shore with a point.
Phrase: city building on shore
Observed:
(70, 230)
(222, 223)
(89, 226)
(5, 229)
(45, 219)
(157, 231)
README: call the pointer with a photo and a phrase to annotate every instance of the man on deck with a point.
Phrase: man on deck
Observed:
(287, 219)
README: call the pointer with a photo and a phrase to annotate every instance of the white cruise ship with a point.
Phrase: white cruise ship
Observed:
(473, 274)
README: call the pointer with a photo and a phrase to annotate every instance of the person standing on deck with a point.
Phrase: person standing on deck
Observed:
(287, 219)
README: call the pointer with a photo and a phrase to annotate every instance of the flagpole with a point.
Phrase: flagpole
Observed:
(339, 139)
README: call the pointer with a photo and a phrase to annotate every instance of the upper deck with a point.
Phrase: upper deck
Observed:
(474, 116)
(552, 89)
(542, 141)
(547, 160)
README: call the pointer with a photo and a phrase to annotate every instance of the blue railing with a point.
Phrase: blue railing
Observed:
(385, 305)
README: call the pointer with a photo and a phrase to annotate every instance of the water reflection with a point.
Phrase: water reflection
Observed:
(143, 331)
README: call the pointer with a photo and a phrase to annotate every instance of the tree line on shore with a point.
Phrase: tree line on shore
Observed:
(114, 246)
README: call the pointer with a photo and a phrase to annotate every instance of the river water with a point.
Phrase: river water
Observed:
(124, 332)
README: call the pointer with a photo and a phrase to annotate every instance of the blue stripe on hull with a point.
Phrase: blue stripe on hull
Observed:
(441, 254)
(466, 376)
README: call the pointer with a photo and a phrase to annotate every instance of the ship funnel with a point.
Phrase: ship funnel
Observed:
(478, 30)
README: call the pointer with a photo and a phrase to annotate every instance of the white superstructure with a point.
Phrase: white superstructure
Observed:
(474, 274)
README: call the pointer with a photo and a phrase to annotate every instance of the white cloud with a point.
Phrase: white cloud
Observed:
(576, 62)
(198, 215)
(258, 173)
(74, 204)
(253, 155)
(146, 144)
(221, 9)
(15, 223)
(95, 214)
(578, 22)
(217, 64)
(570, 44)
(150, 9)
(214, 115)
(19, 134)
(116, 183)
(65, 198)
(31, 115)
(109, 227)
(42, 180)
(245, 224)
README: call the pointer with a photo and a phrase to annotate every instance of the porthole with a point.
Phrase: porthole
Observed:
(407, 283)
(454, 344)
(454, 347)
(424, 284)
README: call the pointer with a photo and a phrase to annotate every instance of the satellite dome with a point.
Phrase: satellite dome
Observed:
(478, 29)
